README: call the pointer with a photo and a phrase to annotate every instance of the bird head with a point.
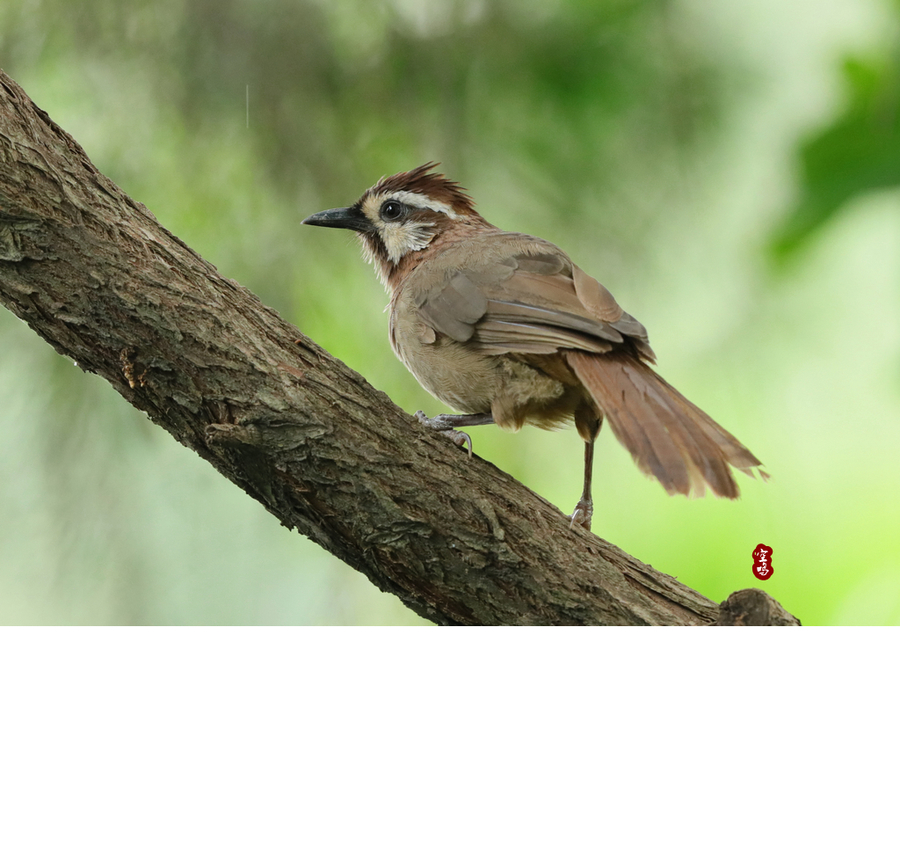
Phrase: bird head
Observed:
(402, 215)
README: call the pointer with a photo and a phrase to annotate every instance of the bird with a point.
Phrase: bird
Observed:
(505, 328)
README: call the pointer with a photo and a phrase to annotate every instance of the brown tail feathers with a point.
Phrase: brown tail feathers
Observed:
(667, 435)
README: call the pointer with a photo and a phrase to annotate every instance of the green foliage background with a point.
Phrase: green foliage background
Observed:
(730, 171)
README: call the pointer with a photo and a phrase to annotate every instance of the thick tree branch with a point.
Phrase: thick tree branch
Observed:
(95, 275)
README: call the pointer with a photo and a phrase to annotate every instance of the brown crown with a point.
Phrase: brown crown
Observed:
(434, 185)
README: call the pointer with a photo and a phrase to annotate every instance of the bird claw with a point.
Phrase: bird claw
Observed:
(582, 514)
(461, 439)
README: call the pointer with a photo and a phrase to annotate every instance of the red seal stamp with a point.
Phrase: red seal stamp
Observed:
(762, 562)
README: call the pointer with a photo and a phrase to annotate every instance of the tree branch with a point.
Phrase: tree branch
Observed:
(457, 540)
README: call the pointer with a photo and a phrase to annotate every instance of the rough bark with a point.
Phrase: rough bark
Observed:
(95, 275)
(751, 607)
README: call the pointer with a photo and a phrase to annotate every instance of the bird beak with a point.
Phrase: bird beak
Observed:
(351, 218)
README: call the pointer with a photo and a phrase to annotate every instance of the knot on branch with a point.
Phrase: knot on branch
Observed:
(751, 607)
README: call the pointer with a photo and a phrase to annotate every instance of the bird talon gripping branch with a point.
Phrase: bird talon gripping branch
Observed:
(507, 329)
(582, 514)
(442, 424)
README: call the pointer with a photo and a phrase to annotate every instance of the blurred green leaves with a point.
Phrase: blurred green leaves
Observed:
(857, 153)
(341, 93)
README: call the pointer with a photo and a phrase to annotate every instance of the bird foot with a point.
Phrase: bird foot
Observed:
(582, 514)
(439, 424)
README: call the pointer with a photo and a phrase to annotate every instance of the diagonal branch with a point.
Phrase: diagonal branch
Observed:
(95, 275)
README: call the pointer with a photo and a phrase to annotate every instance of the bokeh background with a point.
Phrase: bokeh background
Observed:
(729, 170)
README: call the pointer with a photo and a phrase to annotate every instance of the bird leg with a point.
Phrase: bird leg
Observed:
(588, 421)
(445, 423)
(585, 508)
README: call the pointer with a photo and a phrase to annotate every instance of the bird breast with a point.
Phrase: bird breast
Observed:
(454, 373)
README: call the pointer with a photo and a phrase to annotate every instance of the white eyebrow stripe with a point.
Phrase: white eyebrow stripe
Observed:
(420, 201)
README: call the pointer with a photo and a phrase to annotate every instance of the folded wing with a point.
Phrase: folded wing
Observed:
(530, 303)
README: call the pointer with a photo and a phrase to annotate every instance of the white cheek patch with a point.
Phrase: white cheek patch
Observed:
(402, 238)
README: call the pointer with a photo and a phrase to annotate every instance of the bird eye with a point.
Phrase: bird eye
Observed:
(391, 210)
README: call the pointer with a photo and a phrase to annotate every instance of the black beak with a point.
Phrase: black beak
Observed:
(351, 218)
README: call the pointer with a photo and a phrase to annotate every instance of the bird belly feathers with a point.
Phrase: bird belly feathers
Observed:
(464, 378)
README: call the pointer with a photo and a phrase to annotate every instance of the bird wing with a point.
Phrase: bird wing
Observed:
(528, 297)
